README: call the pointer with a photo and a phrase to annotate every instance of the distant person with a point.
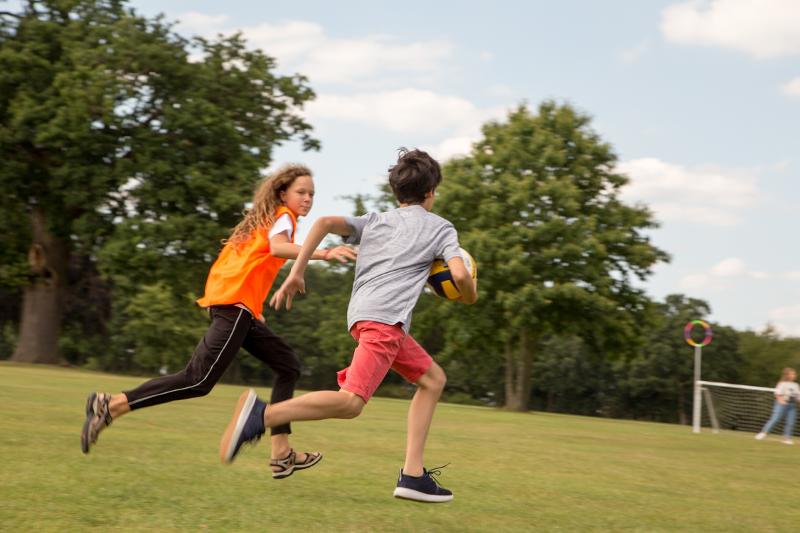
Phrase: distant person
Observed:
(787, 393)
(236, 288)
(397, 248)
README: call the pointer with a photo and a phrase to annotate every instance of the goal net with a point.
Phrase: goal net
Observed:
(738, 407)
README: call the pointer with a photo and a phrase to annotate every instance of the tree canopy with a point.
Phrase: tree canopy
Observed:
(537, 202)
(129, 144)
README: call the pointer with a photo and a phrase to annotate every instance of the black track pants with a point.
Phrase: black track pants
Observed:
(231, 328)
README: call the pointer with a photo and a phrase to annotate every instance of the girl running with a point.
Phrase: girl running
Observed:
(787, 393)
(236, 288)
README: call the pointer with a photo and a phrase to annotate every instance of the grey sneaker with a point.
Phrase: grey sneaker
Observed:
(98, 417)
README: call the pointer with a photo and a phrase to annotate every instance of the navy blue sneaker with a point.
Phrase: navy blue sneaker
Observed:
(422, 489)
(247, 425)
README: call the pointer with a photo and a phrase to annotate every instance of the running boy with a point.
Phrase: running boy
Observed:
(236, 288)
(396, 251)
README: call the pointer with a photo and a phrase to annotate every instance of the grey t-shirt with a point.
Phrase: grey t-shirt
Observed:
(395, 254)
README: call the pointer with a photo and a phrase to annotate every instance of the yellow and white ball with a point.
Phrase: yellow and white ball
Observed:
(441, 281)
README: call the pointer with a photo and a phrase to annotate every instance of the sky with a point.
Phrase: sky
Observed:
(700, 99)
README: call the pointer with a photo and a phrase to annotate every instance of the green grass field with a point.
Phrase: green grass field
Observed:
(158, 470)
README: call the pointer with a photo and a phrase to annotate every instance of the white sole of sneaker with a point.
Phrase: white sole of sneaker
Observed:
(236, 425)
(411, 494)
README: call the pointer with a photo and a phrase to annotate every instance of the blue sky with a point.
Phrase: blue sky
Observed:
(701, 100)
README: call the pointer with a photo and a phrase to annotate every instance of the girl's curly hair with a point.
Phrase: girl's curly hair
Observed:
(266, 200)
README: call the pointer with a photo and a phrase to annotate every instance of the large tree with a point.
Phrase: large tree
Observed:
(127, 144)
(537, 201)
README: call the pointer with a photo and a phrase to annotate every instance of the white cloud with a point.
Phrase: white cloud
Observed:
(763, 29)
(348, 61)
(723, 275)
(425, 114)
(303, 46)
(705, 195)
(730, 273)
(791, 87)
(289, 42)
(730, 267)
(196, 23)
(404, 111)
(393, 79)
(786, 320)
(452, 147)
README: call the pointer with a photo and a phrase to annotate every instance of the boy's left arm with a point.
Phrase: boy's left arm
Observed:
(295, 281)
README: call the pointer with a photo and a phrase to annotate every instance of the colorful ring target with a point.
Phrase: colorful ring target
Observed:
(687, 333)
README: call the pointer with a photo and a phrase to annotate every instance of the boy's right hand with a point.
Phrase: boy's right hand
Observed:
(291, 286)
(467, 285)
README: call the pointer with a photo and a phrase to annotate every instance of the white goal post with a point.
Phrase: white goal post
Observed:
(734, 406)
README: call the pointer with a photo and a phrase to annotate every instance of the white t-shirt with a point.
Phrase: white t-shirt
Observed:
(788, 389)
(283, 224)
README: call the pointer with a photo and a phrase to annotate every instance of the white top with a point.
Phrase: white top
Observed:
(283, 224)
(788, 389)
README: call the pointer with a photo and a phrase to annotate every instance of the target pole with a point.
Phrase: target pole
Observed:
(698, 363)
(696, 410)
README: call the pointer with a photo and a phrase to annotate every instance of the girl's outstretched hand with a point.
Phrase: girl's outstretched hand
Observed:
(343, 254)
(291, 286)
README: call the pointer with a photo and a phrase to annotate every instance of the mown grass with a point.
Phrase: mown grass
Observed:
(158, 470)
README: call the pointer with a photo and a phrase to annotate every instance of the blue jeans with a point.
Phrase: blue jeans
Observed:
(789, 410)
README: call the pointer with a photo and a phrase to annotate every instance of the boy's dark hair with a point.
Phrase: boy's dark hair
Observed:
(413, 176)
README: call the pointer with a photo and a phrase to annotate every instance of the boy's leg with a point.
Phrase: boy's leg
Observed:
(416, 366)
(372, 359)
(252, 416)
(377, 348)
(420, 415)
(318, 405)
(416, 482)
(378, 345)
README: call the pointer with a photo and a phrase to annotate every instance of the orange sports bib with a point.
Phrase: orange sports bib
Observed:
(244, 274)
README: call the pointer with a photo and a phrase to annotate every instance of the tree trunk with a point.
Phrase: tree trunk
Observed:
(40, 323)
(518, 374)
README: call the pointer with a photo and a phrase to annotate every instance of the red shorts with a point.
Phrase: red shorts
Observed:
(381, 347)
